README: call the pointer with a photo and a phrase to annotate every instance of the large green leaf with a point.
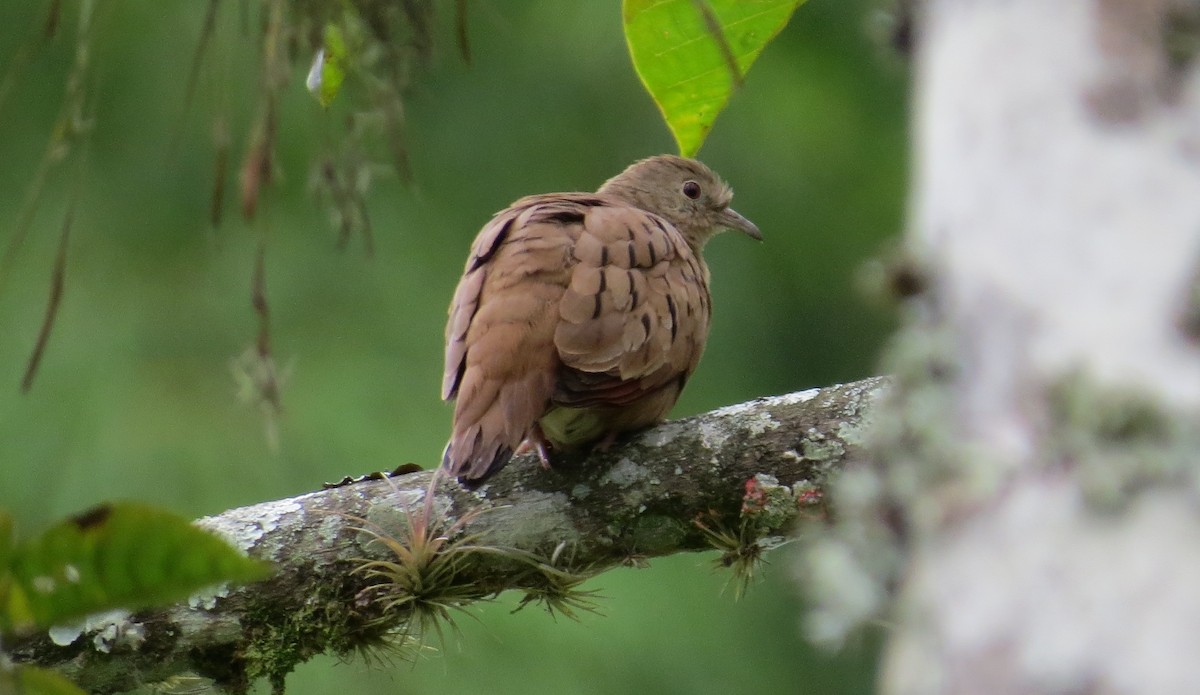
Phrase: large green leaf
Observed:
(692, 54)
(120, 555)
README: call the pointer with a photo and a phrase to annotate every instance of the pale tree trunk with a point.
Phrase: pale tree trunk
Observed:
(1037, 471)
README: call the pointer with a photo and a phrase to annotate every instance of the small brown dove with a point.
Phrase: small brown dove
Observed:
(580, 316)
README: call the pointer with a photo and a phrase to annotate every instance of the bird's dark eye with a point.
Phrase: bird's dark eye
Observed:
(691, 189)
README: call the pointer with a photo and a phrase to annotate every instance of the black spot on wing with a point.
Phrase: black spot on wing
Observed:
(458, 377)
(674, 317)
(482, 258)
(563, 217)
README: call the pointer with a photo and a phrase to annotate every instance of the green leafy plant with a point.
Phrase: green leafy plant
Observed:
(123, 555)
(692, 54)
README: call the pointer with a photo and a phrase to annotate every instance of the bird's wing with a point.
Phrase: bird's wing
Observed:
(635, 314)
(501, 360)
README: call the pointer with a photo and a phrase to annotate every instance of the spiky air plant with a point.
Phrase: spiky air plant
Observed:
(739, 548)
(386, 648)
(767, 507)
(557, 589)
(422, 581)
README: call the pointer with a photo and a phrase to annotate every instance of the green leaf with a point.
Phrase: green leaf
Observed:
(329, 67)
(692, 54)
(31, 680)
(124, 555)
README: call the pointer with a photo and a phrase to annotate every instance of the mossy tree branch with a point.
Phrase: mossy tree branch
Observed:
(529, 529)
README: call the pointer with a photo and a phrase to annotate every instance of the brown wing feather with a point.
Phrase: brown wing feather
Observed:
(500, 362)
(634, 317)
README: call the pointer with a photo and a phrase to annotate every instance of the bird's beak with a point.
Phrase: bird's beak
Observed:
(731, 219)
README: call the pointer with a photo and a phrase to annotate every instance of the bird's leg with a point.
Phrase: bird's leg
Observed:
(536, 441)
(606, 442)
(543, 446)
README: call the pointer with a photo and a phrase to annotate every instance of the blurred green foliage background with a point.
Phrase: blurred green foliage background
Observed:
(136, 397)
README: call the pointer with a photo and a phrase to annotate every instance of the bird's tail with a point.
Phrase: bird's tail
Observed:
(471, 463)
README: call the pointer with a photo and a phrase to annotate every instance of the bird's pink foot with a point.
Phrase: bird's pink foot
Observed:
(606, 442)
(536, 441)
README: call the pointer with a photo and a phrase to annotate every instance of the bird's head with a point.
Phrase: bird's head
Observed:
(685, 192)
